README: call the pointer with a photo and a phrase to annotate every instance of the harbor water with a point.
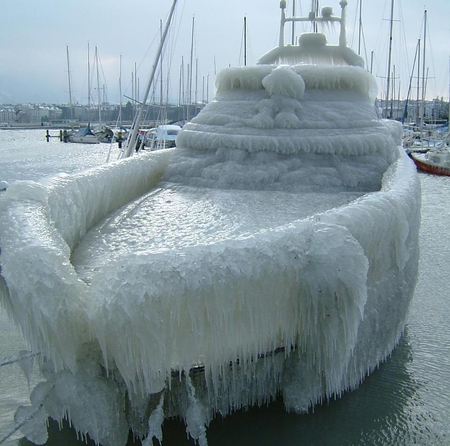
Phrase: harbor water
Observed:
(404, 402)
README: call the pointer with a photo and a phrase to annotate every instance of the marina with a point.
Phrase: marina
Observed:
(404, 401)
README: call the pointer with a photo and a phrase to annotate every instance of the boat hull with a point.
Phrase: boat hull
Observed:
(425, 166)
(330, 325)
(89, 139)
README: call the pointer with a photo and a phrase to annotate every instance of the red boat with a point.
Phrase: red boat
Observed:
(433, 161)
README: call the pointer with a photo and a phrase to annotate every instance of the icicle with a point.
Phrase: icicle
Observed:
(155, 424)
(196, 420)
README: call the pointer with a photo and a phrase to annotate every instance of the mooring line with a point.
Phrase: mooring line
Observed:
(13, 430)
(14, 359)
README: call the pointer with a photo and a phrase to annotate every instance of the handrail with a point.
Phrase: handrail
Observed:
(14, 359)
(327, 16)
(17, 426)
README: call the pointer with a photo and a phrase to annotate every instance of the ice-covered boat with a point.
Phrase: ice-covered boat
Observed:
(274, 251)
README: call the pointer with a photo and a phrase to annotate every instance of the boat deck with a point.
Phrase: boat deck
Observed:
(175, 217)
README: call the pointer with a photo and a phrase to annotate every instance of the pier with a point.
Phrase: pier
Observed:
(62, 135)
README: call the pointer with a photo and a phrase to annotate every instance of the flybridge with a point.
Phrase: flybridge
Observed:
(312, 47)
(326, 17)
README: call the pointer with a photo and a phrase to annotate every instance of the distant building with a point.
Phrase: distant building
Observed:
(413, 110)
(8, 115)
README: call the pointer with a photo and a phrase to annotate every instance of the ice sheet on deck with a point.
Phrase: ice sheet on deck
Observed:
(175, 217)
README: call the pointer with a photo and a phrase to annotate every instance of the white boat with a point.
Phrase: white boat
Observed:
(435, 161)
(421, 141)
(103, 133)
(162, 137)
(274, 251)
(83, 136)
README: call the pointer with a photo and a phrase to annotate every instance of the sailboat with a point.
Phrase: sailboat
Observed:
(273, 252)
(84, 135)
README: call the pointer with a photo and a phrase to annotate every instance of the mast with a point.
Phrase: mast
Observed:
(181, 95)
(98, 88)
(245, 41)
(405, 111)
(70, 86)
(196, 83)
(131, 141)
(191, 67)
(89, 78)
(418, 86)
(136, 88)
(424, 67)
(120, 91)
(360, 27)
(161, 68)
(389, 59)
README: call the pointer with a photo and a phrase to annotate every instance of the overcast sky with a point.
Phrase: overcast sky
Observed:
(34, 37)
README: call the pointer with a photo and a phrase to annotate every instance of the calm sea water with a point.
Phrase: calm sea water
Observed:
(405, 402)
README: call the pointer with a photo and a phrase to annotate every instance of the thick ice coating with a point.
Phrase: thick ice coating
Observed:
(274, 250)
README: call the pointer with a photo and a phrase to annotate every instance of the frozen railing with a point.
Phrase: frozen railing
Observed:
(327, 17)
(29, 417)
(25, 362)
(18, 359)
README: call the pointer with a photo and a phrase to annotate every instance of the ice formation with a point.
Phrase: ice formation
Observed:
(278, 242)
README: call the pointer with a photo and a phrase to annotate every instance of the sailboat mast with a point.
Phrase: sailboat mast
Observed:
(196, 83)
(131, 141)
(405, 112)
(245, 41)
(424, 67)
(191, 65)
(120, 91)
(161, 93)
(70, 86)
(389, 58)
(89, 77)
(418, 85)
(98, 88)
(360, 27)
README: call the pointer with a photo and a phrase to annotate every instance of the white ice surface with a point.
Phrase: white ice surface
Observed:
(284, 218)
(175, 218)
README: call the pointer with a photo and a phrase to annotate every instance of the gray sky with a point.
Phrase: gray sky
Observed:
(34, 36)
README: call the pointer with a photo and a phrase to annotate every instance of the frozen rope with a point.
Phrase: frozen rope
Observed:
(28, 418)
(14, 359)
